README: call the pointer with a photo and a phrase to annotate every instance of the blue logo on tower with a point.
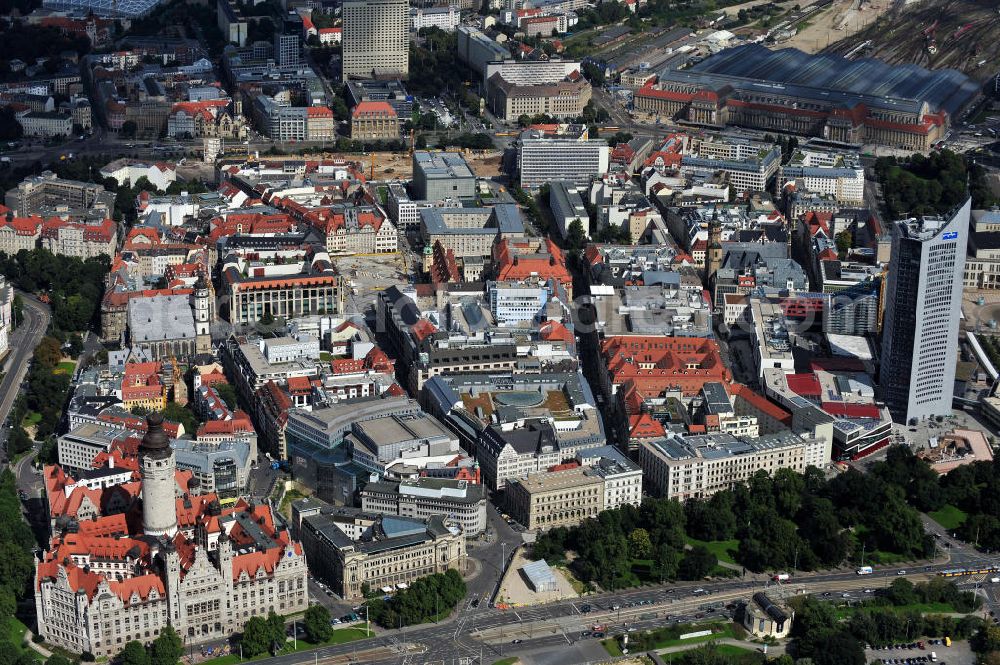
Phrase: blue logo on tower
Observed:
(951, 235)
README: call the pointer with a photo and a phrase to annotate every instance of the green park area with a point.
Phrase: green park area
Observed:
(949, 517)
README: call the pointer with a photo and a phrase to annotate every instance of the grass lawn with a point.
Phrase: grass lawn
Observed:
(612, 647)
(344, 635)
(33, 418)
(505, 661)
(65, 367)
(924, 608)
(722, 631)
(325, 356)
(733, 654)
(722, 549)
(949, 517)
(286, 501)
(15, 635)
(341, 636)
(727, 631)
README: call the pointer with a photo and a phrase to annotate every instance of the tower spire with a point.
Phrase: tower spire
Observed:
(159, 506)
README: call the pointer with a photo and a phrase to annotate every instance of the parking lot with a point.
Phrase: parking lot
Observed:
(958, 653)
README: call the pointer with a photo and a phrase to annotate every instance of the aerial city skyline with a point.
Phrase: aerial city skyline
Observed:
(503, 332)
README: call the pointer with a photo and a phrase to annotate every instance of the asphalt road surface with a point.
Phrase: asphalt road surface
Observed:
(22, 342)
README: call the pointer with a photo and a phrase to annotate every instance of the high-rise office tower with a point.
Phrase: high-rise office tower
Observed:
(923, 302)
(376, 38)
(286, 50)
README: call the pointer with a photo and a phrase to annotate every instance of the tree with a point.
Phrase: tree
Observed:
(134, 653)
(317, 624)
(840, 648)
(697, 563)
(276, 628)
(665, 563)
(576, 236)
(58, 659)
(48, 352)
(228, 395)
(19, 441)
(167, 648)
(129, 129)
(639, 544)
(255, 640)
(10, 128)
(75, 345)
(181, 414)
(987, 639)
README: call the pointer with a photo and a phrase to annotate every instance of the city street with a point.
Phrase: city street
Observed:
(23, 341)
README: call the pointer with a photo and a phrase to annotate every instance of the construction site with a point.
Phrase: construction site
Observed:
(936, 34)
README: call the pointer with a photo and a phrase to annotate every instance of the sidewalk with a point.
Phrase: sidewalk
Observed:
(772, 650)
(28, 635)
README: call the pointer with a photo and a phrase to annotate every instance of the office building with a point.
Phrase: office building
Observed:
(374, 121)
(442, 175)
(567, 205)
(48, 194)
(923, 305)
(390, 90)
(462, 502)
(286, 50)
(556, 498)
(83, 239)
(46, 124)
(477, 50)
(564, 99)
(471, 232)
(568, 155)
(376, 38)
(351, 549)
(982, 265)
(692, 467)
(445, 18)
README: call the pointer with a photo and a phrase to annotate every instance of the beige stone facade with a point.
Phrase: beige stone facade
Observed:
(562, 498)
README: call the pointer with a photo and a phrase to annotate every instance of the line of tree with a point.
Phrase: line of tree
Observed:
(16, 568)
(46, 392)
(166, 649)
(819, 634)
(781, 522)
(427, 599)
(262, 635)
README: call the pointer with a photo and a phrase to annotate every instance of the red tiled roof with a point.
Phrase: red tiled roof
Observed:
(517, 261)
(643, 426)
(422, 328)
(760, 402)
(319, 112)
(555, 331)
(379, 109)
